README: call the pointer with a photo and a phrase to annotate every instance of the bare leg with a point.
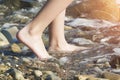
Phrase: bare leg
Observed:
(31, 34)
(57, 39)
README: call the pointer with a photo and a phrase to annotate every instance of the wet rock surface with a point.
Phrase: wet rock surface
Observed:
(100, 62)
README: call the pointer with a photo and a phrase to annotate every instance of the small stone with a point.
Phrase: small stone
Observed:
(37, 73)
(63, 60)
(3, 68)
(82, 41)
(8, 25)
(49, 75)
(16, 65)
(107, 64)
(3, 40)
(117, 71)
(117, 50)
(8, 64)
(26, 60)
(68, 28)
(16, 74)
(7, 35)
(98, 70)
(87, 77)
(81, 77)
(16, 48)
(102, 60)
(13, 31)
(111, 76)
(92, 78)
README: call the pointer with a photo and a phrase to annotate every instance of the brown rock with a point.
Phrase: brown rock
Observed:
(111, 76)
(16, 48)
(87, 77)
(96, 9)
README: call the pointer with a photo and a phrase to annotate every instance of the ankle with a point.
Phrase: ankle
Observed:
(58, 44)
(33, 31)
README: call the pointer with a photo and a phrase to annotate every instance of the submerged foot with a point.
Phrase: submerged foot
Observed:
(34, 42)
(66, 48)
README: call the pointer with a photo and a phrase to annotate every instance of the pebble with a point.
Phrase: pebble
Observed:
(8, 64)
(49, 75)
(68, 28)
(3, 40)
(80, 77)
(102, 60)
(117, 50)
(98, 70)
(16, 48)
(63, 60)
(116, 71)
(3, 68)
(13, 30)
(107, 65)
(87, 77)
(111, 76)
(8, 25)
(37, 73)
(81, 41)
(16, 74)
(26, 60)
(20, 18)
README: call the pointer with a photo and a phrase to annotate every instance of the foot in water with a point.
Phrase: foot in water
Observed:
(66, 48)
(34, 42)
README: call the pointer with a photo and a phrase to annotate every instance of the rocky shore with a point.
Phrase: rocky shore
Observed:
(100, 62)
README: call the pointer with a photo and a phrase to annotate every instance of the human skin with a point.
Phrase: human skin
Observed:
(53, 14)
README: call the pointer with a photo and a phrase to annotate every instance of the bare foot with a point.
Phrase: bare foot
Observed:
(35, 43)
(66, 48)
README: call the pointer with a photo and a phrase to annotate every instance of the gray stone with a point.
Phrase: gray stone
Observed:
(102, 60)
(8, 25)
(63, 60)
(49, 75)
(13, 31)
(26, 60)
(117, 50)
(16, 74)
(116, 71)
(82, 41)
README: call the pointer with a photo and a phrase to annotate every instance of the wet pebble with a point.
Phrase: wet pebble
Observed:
(3, 68)
(116, 71)
(82, 41)
(26, 60)
(16, 74)
(117, 50)
(87, 77)
(3, 40)
(102, 60)
(13, 31)
(111, 76)
(8, 25)
(37, 73)
(63, 60)
(49, 75)
(16, 48)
